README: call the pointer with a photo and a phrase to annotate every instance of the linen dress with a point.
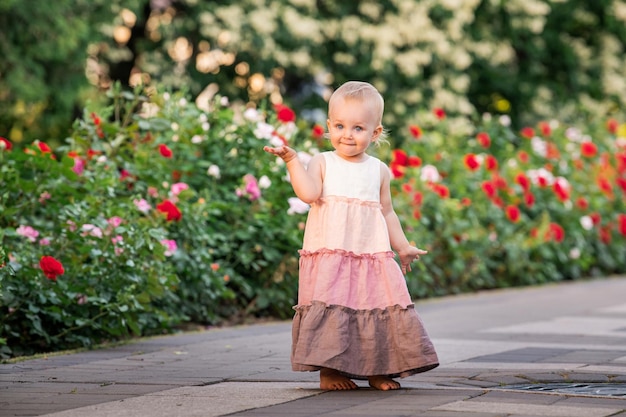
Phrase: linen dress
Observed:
(354, 311)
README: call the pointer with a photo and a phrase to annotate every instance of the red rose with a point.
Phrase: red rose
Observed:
(169, 208)
(542, 181)
(513, 213)
(317, 131)
(545, 129)
(529, 199)
(491, 163)
(471, 162)
(6, 144)
(165, 151)
(95, 118)
(605, 185)
(399, 157)
(484, 139)
(561, 191)
(415, 130)
(284, 114)
(555, 232)
(596, 218)
(588, 149)
(43, 147)
(441, 189)
(499, 182)
(489, 189)
(397, 170)
(528, 132)
(523, 157)
(91, 153)
(523, 181)
(415, 161)
(439, 113)
(612, 126)
(51, 267)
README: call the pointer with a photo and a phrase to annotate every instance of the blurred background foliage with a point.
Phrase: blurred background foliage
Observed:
(530, 59)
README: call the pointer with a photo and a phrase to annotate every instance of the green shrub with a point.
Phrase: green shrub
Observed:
(508, 208)
(108, 205)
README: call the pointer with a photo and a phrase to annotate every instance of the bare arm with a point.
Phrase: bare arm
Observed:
(407, 252)
(306, 182)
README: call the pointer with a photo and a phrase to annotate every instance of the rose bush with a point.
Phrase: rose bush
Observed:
(497, 207)
(72, 271)
(153, 211)
(160, 211)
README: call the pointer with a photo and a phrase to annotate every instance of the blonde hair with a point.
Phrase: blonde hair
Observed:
(365, 92)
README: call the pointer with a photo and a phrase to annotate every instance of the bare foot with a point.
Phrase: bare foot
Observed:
(334, 381)
(383, 383)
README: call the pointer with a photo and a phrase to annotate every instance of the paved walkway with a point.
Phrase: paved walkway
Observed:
(503, 353)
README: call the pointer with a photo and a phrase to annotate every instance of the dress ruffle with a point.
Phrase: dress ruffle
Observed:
(357, 281)
(361, 343)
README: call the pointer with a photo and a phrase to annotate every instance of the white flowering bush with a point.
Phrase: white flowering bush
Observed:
(530, 59)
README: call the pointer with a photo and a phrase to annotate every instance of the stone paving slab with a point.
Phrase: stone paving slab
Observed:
(364, 403)
(204, 401)
(525, 409)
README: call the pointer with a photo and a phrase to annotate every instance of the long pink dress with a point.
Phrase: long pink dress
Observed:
(354, 311)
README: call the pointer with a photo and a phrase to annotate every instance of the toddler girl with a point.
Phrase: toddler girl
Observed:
(355, 318)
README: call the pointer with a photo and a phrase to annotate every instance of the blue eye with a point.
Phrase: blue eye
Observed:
(339, 126)
(359, 128)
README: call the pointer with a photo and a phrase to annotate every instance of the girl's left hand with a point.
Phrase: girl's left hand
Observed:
(408, 255)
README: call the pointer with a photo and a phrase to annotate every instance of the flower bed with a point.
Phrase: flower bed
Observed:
(501, 208)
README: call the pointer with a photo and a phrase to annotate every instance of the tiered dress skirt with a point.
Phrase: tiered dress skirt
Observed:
(354, 311)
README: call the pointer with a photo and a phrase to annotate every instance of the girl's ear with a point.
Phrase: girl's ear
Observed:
(377, 132)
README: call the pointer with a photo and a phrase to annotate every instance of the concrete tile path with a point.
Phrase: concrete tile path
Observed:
(553, 350)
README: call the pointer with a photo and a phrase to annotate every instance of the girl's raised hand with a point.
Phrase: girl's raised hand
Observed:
(283, 152)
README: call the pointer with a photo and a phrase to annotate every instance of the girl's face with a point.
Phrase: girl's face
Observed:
(352, 125)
